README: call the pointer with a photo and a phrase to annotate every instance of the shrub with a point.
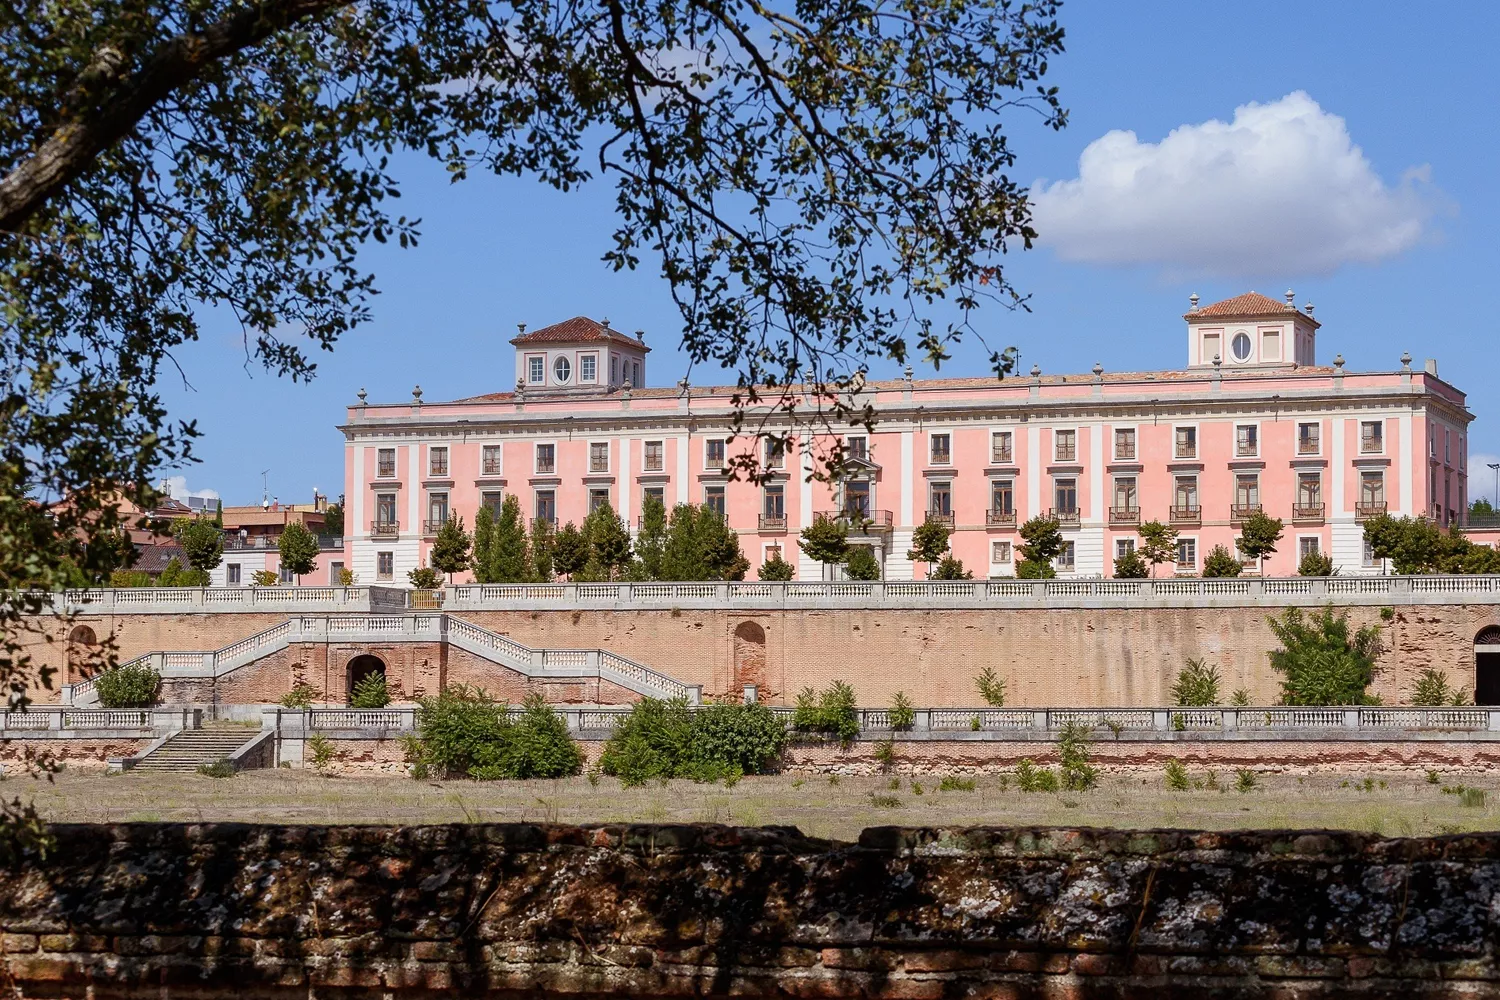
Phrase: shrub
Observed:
(1471, 798)
(1221, 562)
(1432, 689)
(265, 578)
(991, 687)
(952, 784)
(1177, 776)
(861, 564)
(903, 714)
(1030, 778)
(652, 742)
(951, 568)
(537, 745)
(411, 752)
(1240, 698)
(738, 739)
(370, 692)
(347, 577)
(302, 695)
(1132, 566)
(217, 769)
(131, 686)
(1198, 684)
(425, 578)
(454, 724)
(884, 801)
(885, 756)
(1244, 780)
(1322, 663)
(663, 739)
(321, 752)
(777, 568)
(830, 712)
(1078, 775)
(1315, 564)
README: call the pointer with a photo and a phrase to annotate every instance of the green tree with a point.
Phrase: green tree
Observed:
(171, 573)
(543, 549)
(484, 545)
(424, 578)
(1482, 508)
(1221, 562)
(1315, 563)
(861, 564)
(1158, 543)
(682, 553)
(299, 550)
(1258, 537)
(202, 542)
(827, 541)
(651, 540)
(333, 520)
(450, 549)
(929, 541)
(570, 553)
(510, 556)
(1320, 661)
(1197, 684)
(1043, 543)
(776, 568)
(1131, 566)
(719, 547)
(950, 567)
(265, 578)
(609, 543)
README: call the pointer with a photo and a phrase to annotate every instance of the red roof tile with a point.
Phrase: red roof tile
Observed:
(576, 330)
(1247, 306)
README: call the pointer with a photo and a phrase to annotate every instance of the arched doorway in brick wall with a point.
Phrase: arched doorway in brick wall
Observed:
(1487, 666)
(359, 668)
(750, 657)
(81, 653)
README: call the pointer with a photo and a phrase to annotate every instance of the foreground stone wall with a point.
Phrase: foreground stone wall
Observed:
(211, 911)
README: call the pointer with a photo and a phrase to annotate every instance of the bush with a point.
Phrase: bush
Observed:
(128, 687)
(1078, 775)
(1198, 684)
(1240, 698)
(537, 745)
(1177, 776)
(830, 712)
(861, 564)
(347, 577)
(1132, 566)
(902, 714)
(1432, 690)
(1221, 562)
(425, 578)
(217, 769)
(1322, 663)
(265, 578)
(1315, 564)
(664, 739)
(991, 688)
(370, 692)
(1245, 780)
(454, 725)
(321, 751)
(952, 784)
(302, 695)
(777, 568)
(1030, 778)
(951, 568)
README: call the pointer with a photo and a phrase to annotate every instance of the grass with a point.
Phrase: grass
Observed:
(1406, 806)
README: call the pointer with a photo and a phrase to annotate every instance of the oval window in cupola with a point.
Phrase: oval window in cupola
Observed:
(1240, 347)
(562, 370)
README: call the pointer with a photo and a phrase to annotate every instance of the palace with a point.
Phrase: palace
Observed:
(1251, 422)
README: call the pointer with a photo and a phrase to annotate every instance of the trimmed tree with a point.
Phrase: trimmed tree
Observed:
(1158, 543)
(928, 542)
(543, 549)
(1315, 564)
(1042, 543)
(1221, 562)
(827, 541)
(1131, 566)
(609, 543)
(510, 560)
(1258, 537)
(950, 567)
(202, 542)
(450, 549)
(484, 545)
(776, 569)
(570, 551)
(651, 542)
(861, 564)
(299, 550)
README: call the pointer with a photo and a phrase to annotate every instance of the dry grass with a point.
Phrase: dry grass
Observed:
(1392, 804)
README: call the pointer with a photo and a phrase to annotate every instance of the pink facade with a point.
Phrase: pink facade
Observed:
(1251, 422)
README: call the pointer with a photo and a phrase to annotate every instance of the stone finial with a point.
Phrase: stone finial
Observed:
(1098, 369)
(1406, 361)
(1194, 300)
(1290, 297)
(362, 395)
(521, 327)
(906, 373)
(1218, 361)
(640, 335)
(1308, 308)
(1338, 362)
(626, 385)
(604, 322)
(416, 393)
(1036, 371)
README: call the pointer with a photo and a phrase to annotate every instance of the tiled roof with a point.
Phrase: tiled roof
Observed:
(154, 558)
(579, 329)
(1249, 305)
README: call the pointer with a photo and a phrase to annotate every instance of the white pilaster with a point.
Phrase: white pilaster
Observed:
(1096, 477)
(413, 526)
(684, 494)
(805, 488)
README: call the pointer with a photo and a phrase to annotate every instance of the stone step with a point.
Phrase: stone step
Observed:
(192, 748)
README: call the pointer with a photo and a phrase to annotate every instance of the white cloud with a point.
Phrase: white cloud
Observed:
(1279, 191)
(176, 487)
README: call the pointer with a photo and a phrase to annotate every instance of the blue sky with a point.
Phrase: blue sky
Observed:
(1365, 180)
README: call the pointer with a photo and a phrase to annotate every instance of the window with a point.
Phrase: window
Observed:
(1186, 443)
(775, 502)
(1124, 444)
(1123, 547)
(1240, 346)
(588, 368)
(1185, 493)
(1003, 496)
(437, 461)
(1125, 496)
(614, 371)
(857, 498)
(713, 453)
(1000, 552)
(385, 509)
(562, 370)
(940, 449)
(1246, 492)
(489, 462)
(232, 573)
(1002, 448)
(286, 576)
(1065, 492)
(1307, 545)
(536, 370)
(1211, 349)
(598, 456)
(1367, 555)
(437, 511)
(1372, 488)
(385, 463)
(1065, 445)
(1068, 557)
(654, 460)
(775, 453)
(1270, 345)
(335, 570)
(385, 565)
(1309, 438)
(940, 499)
(1187, 553)
(546, 506)
(546, 458)
(1310, 491)
(492, 500)
(713, 499)
(1246, 441)
(635, 374)
(598, 498)
(857, 447)
(1372, 437)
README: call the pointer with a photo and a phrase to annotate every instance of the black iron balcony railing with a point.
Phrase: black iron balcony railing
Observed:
(1065, 516)
(773, 522)
(1130, 514)
(1000, 517)
(385, 529)
(941, 517)
(1307, 512)
(1240, 511)
(1369, 508)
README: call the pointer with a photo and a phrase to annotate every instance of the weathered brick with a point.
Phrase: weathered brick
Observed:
(944, 961)
(18, 943)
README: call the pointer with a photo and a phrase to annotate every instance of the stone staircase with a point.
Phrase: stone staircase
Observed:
(191, 748)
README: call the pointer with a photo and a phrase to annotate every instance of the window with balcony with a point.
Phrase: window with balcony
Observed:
(857, 447)
(775, 452)
(588, 368)
(1187, 554)
(940, 500)
(1002, 448)
(1246, 495)
(1065, 500)
(1371, 494)
(1126, 506)
(940, 449)
(493, 501)
(1309, 438)
(232, 574)
(385, 514)
(1185, 499)
(1002, 501)
(773, 507)
(1124, 444)
(714, 453)
(1065, 445)
(598, 456)
(713, 499)
(1309, 504)
(1371, 437)
(546, 459)
(654, 456)
(545, 506)
(385, 565)
(437, 512)
(1246, 441)
(1000, 552)
(437, 462)
(489, 460)
(1186, 443)
(1067, 559)
(385, 463)
(857, 498)
(536, 370)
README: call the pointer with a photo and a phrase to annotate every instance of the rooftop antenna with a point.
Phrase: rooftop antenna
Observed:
(265, 490)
